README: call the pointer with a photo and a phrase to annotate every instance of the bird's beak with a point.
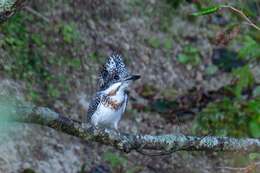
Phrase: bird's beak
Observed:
(133, 77)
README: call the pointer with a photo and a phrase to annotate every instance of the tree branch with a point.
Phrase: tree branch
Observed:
(37, 14)
(128, 142)
(242, 15)
(8, 8)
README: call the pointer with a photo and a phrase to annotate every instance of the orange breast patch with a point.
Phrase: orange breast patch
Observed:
(113, 104)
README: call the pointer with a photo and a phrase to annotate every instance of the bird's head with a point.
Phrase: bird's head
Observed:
(114, 75)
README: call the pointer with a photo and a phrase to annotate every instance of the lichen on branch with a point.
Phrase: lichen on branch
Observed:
(20, 111)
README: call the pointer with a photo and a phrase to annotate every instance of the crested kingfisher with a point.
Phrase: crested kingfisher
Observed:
(110, 101)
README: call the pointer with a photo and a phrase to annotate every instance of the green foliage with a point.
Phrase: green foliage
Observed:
(69, 32)
(96, 56)
(154, 42)
(254, 127)
(189, 55)
(118, 163)
(114, 159)
(168, 44)
(182, 58)
(245, 79)
(232, 117)
(53, 91)
(238, 116)
(32, 62)
(250, 8)
(206, 11)
(74, 63)
(250, 49)
(254, 156)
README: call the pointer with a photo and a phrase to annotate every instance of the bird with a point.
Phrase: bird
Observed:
(109, 103)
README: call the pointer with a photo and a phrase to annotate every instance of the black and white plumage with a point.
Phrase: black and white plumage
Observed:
(114, 70)
(93, 105)
(109, 103)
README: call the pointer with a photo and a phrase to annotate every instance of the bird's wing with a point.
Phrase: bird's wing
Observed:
(93, 106)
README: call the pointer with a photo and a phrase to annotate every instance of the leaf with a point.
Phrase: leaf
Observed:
(75, 63)
(245, 79)
(251, 49)
(254, 107)
(154, 42)
(254, 127)
(206, 11)
(114, 159)
(69, 32)
(254, 156)
(168, 44)
(182, 58)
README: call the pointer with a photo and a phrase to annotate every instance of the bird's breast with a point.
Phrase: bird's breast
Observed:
(108, 112)
(114, 103)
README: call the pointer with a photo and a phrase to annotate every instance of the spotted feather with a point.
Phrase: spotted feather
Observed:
(95, 102)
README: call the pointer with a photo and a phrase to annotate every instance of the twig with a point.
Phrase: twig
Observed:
(242, 15)
(255, 164)
(29, 9)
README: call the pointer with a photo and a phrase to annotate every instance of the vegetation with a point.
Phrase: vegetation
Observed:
(31, 60)
(239, 116)
(190, 55)
(42, 57)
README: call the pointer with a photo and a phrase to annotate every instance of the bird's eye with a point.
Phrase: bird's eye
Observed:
(104, 73)
(116, 77)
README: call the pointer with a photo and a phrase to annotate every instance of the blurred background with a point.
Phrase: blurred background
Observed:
(200, 76)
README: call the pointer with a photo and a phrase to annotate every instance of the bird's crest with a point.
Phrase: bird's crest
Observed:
(113, 71)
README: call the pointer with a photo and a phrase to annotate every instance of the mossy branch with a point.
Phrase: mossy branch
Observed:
(129, 142)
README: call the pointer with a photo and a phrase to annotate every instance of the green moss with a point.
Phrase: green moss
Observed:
(250, 49)
(114, 159)
(69, 32)
(168, 44)
(189, 55)
(230, 118)
(154, 42)
(33, 61)
(245, 79)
